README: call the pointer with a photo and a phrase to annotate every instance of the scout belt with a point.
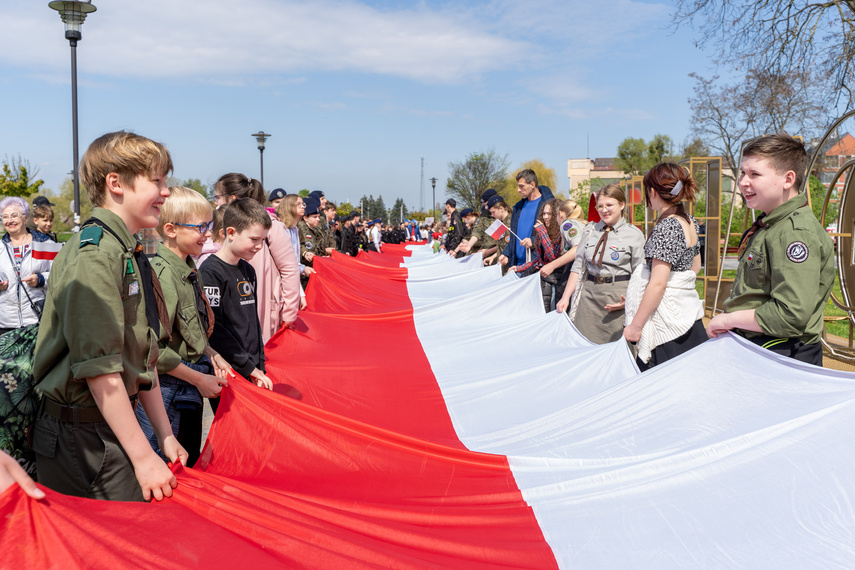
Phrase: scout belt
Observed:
(83, 415)
(607, 279)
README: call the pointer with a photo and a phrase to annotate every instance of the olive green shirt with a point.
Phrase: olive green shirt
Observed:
(785, 274)
(189, 337)
(479, 230)
(312, 240)
(94, 319)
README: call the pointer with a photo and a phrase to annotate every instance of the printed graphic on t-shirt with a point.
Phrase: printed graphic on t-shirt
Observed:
(245, 291)
(213, 294)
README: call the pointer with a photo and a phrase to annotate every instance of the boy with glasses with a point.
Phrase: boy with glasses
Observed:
(189, 368)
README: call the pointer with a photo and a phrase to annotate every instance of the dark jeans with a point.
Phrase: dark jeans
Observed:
(183, 405)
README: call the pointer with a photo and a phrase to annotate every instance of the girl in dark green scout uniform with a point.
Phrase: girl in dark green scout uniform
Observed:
(786, 259)
(97, 349)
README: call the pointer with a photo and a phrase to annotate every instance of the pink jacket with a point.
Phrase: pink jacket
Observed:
(278, 276)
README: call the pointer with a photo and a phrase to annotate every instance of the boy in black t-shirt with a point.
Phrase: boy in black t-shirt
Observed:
(230, 287)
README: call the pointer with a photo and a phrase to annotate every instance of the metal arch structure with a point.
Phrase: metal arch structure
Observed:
(845, 246)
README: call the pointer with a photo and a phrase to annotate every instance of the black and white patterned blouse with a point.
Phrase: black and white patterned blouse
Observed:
(668, 243)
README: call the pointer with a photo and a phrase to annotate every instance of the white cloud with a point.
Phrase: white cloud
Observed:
(218, 39)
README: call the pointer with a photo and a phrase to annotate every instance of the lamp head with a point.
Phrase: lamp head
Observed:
(72, 13)
(261, 136)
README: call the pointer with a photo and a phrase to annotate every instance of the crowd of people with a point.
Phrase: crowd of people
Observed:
(174, 329)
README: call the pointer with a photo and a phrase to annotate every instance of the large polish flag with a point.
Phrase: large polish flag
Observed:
(446, 421)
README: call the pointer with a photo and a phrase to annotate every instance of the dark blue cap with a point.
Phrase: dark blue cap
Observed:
(312, 206)
(494, 200)
(466, 212)
(488, 193)
(277, 194)
(318, 194)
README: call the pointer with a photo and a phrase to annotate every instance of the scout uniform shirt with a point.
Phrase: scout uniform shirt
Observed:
(308, 242)
(571, 233)
(624, 249)
(479, 230)
(312, 240)
(785, 273)
(94, 319)
(189, 333)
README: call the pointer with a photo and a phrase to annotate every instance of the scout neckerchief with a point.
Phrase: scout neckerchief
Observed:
(155, 313)
(202, 305)
(758, 223)
(602, 243)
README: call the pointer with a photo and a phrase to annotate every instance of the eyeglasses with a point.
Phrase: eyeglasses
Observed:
(218, 197)
(203, 228)
(12, 216)
(607, 207)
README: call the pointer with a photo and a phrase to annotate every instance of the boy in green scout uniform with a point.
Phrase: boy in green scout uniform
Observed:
(97, 348)
(188, 368)
(786, 259)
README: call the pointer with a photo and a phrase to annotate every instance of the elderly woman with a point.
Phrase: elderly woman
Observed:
(22, 277)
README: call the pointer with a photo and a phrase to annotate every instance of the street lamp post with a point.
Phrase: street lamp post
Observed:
(73, 14)
(433, 204)
(261, 136)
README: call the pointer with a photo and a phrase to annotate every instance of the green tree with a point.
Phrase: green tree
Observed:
(377, 210)
(632, 156)
(304, 193)
(695, 147)
(660, 149)
(197, 185)
(395, 213)
(471, 177)
(344, 208)
(17, 178)
(63, 216)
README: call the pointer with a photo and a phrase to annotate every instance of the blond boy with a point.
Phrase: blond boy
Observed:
(189, 369)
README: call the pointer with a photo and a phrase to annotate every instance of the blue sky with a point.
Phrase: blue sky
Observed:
(354, 93)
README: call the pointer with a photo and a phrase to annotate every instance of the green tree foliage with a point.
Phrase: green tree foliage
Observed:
(378, 210)
(695, 147)
(636, 156)
(344, 208)
(304, 193)
(469, 178)
(817, 195)
(395, 213)
(197, 185)
(63, 216)
(17, 178)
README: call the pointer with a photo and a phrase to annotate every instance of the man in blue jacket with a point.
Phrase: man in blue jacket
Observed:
(524, 216)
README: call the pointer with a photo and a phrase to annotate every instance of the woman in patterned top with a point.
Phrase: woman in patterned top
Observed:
(663, 309)
(546, 250)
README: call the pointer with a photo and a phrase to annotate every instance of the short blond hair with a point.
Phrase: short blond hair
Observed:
(182, 206)
(127, 154)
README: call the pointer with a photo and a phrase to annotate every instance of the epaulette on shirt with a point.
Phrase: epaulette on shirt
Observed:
(91, 235)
